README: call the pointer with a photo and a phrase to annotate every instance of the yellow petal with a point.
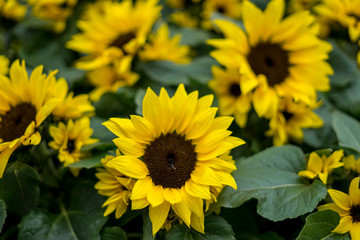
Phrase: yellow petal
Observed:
(129, 146)
(355, 231)
(197, 222)
(344, 226)
(120, 209)
(141, 188)
(172, 195)
(334, 207)
(129, 166)
(205, 176)
(315, 163)
(197, 190)
(156, 196)
(194, 203)
(354, 191)
(45, 111)
(182, 210)
(158, 216)
(341, 199)
(139, 203)
(151, 109)
(4, 158)
(323, 177)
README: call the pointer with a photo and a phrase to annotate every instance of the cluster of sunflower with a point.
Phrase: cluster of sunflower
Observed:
(152, 100)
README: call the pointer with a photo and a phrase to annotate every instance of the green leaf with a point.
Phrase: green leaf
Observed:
(319, 226)
(19, 188)
(217, 227)
(100, 131)
(192, 36)
(147, 226)
(90, 162)
(2, 214)
(271, 177)
(113, 233)
(347, 130)
(181, 232)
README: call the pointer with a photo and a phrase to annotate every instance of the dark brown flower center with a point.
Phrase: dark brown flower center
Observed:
(220, 9)
(287, 115)
(170, 160)
(123, 39)
(271, 60)
(234, 90)
(14, 123)
(355, 213)
(70, 145)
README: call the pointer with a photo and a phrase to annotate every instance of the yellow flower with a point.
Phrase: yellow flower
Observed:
(348, 207)
(229, 8)
(301, 5)
(346, 13)
(162, 47)
(55, 11)
(23, 108)
(233, 100)
(111, 30)
(69, 139)
(183, 19)
(115, 186)
(12, 9)
(290, 120)
(285, 56)
(173, 152)
(4, 65)
(351, 163)
(322, 166)
(70, 106)
(110, 78)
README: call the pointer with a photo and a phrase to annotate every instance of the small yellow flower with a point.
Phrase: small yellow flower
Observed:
(322, 166)
(12, 9)
(183, 19)
(162, 47)
(351, 163)
(348, 207)
(69, 139)
(4, 65)
(116, 186)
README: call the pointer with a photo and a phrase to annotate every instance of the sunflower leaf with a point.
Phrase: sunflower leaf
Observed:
(2, 214)
(319, 226)
(113, 233)
(217, 227)
(271, 177)
(181, 232)
(347, 130)
(93, 161)
(19, 188)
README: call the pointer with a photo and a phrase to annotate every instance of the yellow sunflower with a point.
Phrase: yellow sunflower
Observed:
(232, 99)
(55, 11)
(23, 108)
(69, 139)
(229, 8)
(115, 186)
(110, 30)
(346, 13)
(110, 78)
(173, 152)
(290, 120)
(70, 106)
(162, 47)
(183, 19)
(351, 163)
(321, 166)
(348, 207)
(285, 55)
(12, 9)
(4, 64)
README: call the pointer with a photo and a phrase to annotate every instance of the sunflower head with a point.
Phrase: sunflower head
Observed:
(12, 9)
(173, 153)
(229, 8)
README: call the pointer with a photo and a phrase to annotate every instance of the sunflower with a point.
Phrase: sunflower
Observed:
(348, 207)
(55, 11)
(69, 139)
(351, 163)
(4, 64)
(110, 78)
(12, 9)
(346, 13)
(23, 108)
(111, 30)
(162, 47)
(285, 55)
(173, 153)
(183, 19)
(290, 120)
(115, 186)
(229, 8)
(70, 106)
(232, 99)
(321, 166)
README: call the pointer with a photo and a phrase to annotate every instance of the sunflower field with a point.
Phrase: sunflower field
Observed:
(180, 119)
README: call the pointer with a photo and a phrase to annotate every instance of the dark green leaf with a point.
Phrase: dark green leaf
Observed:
(2, 214)
(19, 188)
(319, 226)
(147, 226)
(193, 37)
(217, 227)
(272, 178)
(113, 233)
(181, 232)
(90, 162)
(347, 130)
(100, 131)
